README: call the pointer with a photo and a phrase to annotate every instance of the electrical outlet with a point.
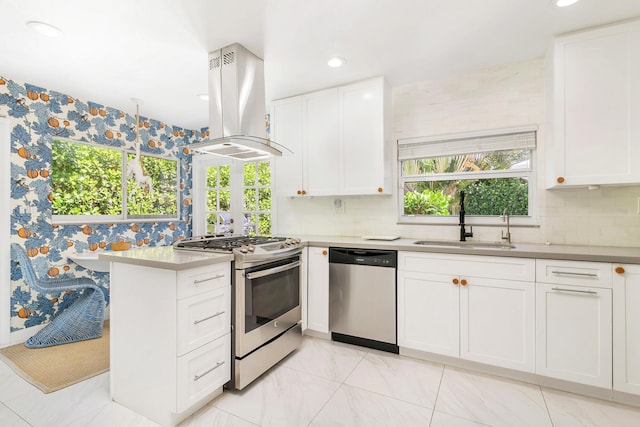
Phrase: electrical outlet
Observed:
(338, 206)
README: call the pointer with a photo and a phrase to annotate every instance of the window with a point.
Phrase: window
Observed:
(219, 219)
(257, 198)
(225, 182)
(89, 184)
(494, 169)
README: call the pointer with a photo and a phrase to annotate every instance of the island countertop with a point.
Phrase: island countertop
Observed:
(164, 257)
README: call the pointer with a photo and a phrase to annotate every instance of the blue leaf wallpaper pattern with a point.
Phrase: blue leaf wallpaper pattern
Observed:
(36, 116)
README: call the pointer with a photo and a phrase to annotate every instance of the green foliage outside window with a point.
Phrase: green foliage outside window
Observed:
(163, 201)
(257, 198)
(485, 193)
(87, 180)
(426, 202)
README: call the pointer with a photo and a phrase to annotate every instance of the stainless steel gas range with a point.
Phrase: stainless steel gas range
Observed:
(266, 318)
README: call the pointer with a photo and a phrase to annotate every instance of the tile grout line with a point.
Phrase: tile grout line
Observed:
(435, 402)
(16, 414)
(341, 383)
(546, 405)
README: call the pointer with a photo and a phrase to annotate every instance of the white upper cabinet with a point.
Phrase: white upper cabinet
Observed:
(286, 127)
(365, 136)
(596, 108)
(341, 139)
(320, 163)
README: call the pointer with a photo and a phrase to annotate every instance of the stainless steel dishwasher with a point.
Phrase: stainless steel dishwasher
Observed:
(362, 297)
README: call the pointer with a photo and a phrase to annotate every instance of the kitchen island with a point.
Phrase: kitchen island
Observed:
(170, 330)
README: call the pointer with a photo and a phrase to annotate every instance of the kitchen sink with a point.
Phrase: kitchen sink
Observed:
(452, 244)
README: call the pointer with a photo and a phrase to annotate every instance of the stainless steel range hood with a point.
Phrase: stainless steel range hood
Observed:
(237, 107)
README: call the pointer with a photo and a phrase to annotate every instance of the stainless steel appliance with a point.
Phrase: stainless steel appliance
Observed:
(236, 107)
(266, 318)
(362, 297)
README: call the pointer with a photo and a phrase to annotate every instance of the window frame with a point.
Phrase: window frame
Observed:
(124, 217)
(482, 220)
(200, 164)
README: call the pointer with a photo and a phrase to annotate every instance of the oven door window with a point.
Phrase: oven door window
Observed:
(271, 290)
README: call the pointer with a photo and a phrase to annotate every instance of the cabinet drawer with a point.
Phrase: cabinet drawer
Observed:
(203, 371)
(578, 273)
(492, 267)
(203, 318)
(203, 279)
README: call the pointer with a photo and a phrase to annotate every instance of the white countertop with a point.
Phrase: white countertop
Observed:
(523, 250)
(164, 257)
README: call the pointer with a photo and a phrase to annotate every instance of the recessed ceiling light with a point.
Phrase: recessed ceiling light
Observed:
(44, 28)
(336, 62)
(203, 96)
(565, 3)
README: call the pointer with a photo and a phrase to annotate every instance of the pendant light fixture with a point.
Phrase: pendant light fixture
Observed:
(135, 168)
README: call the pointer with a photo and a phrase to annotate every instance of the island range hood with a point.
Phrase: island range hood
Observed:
(237, 107)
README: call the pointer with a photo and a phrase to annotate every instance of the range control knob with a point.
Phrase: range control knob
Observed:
(296, 240)
(251, 248)
(244, 249)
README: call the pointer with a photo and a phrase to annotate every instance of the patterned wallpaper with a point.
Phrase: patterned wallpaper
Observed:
(36, 115)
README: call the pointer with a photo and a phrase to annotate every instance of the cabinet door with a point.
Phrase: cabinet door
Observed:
(322, 149)
(318, 289)
(597, 102)
(201, 372)
(428, 312)
(626, 329)
(573, 338)
(497, 322)
(286, 123)
(362, 132)
(202, 318)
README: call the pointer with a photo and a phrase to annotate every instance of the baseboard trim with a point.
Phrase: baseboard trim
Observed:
(528, 377)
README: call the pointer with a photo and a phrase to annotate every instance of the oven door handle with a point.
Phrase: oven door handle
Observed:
(262, 273)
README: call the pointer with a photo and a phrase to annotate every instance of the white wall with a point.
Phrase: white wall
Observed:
(493, 98)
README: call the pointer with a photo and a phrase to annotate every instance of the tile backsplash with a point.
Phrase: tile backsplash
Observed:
(499, 97)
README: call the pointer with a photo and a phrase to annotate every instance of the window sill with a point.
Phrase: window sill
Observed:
(112, 221)
(527, 222)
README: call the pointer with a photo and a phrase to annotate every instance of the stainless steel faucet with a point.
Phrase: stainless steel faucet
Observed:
(505, 217)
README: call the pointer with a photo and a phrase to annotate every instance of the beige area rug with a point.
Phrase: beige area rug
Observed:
(53, 368)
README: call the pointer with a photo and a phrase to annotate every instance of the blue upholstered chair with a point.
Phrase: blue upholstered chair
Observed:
(80, 321)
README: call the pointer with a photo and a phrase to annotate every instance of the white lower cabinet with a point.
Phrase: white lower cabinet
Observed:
(170, 338)
(478, 308)
(574, 321)
(428, 313)
(497, 322)
(626, 328)
(318, 289)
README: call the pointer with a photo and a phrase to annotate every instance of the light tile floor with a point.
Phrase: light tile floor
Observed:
(332, 384)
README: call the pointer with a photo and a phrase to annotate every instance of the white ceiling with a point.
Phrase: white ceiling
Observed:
(156, 50)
